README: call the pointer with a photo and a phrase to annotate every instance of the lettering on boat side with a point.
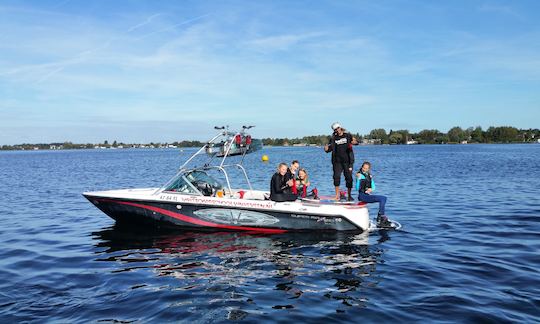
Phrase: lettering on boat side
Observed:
(226, 202)
(319, 219)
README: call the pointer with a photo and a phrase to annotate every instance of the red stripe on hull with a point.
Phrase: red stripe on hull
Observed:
(196, 221)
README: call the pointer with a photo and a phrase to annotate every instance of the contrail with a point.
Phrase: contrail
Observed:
(61, 65)
(174, 26)
(50, 74)
(146, 22)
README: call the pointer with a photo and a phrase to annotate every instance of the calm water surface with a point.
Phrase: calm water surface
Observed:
(469, 249)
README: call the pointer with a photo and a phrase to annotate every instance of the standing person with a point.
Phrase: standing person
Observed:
(280, 185)
(342, 157)
(366, 186)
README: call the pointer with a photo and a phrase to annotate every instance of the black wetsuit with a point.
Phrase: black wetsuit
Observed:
(289, 175)
(342, 158)
(279, 190)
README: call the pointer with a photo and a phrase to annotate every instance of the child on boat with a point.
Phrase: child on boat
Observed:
(366, 186)
(302, 183)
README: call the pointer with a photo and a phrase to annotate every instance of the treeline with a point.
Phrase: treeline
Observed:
(105, 144)
(504, 134)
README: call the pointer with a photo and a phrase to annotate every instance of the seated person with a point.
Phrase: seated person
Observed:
(366, 186)
(292, 170)
(302, 183)
(280, 185)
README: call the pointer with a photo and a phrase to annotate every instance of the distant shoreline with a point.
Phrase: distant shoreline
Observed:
(379, 136)
(36, 147)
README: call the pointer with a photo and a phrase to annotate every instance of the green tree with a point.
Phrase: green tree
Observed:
(379, 134)
(404, 135)
(429, 136)
(477, 135)
(504, 134)
(456, 135)
(395, 138)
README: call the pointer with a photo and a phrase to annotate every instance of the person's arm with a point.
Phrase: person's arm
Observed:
(285, 183)
(275, 187)
(288, 175)
(330, 146)
(351, 151)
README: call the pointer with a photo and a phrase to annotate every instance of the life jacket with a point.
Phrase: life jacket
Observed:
(293, 188)
(303, 189)
(368, 181)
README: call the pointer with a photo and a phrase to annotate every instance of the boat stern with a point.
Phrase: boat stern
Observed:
(358, 215)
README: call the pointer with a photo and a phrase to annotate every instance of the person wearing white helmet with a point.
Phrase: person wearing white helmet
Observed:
(342, 157)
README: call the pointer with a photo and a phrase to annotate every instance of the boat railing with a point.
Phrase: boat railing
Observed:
(224, 132)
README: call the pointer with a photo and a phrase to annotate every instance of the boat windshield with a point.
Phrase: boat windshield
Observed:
(180, 184)
(195, 182)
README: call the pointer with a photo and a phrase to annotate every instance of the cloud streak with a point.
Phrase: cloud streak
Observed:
(257, 64)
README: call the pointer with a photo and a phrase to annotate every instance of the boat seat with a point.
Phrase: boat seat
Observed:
(253, 195)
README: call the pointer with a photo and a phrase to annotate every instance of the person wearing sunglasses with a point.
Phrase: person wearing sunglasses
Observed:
(341, 147)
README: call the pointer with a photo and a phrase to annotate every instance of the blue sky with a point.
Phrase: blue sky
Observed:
(141, 71)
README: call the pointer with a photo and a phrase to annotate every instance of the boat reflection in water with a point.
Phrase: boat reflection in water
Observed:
(247, 274)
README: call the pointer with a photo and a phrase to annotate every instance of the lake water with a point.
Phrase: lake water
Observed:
(469, 249)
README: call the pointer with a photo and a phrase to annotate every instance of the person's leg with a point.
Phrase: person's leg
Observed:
(290, 197)
(284, 197)
(348, 180)
(382, 203)
(372, 199)
(367, 198)
(382, 220)
(337, 177)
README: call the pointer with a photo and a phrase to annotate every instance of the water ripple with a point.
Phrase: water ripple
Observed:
(468, 251)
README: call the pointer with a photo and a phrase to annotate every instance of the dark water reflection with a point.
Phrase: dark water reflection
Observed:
(232, 275)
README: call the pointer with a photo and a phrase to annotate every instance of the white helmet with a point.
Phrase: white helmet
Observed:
(335, 126)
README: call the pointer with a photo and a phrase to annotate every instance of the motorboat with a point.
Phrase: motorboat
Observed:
(239, 144)
(201, 196)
